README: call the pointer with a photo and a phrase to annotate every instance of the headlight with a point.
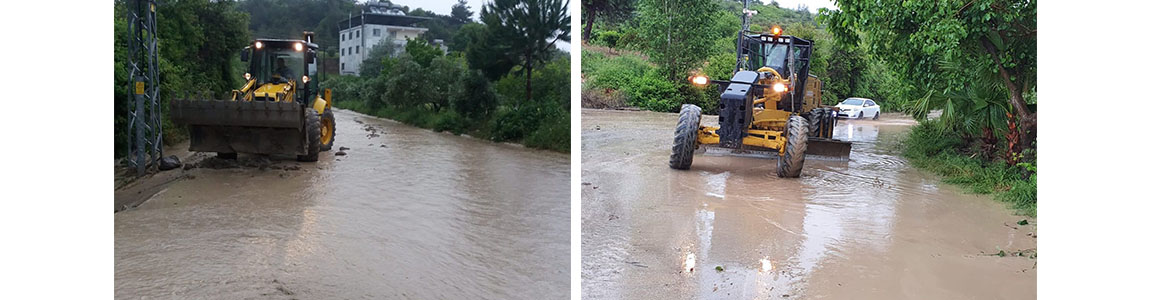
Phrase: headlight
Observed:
(298, 47)
(305, 78)
(699, 80)
(287, 87)
(259, 45)
(247, 76)
(779, 88)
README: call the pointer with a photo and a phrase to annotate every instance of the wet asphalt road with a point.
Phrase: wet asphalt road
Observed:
(870, 228)
(407, 213)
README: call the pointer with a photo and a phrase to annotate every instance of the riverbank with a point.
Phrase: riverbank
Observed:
(933, 148)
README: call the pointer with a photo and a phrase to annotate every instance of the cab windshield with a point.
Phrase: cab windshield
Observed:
(857, 102)
(274, 65)
(776, 54)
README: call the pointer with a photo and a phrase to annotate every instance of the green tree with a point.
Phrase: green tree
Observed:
(484, 50)
(461, 12)
(422, 52)
(677, 35)
(605, 9)
(916, 37)
(528, 29)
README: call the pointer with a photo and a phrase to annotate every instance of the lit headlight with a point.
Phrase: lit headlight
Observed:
(287, 87)
(259, 45)
(298, 47)
(779, 88)
(699, 80)
(247, 76)
(305, 78)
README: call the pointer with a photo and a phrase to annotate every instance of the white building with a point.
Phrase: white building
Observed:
(378, 23)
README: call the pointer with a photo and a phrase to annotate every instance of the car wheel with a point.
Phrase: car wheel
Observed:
(860, 115)
(875, 114)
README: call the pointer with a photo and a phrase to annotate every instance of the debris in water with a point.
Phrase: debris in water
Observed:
(586, 183)
(718, 268)
(342, 148)
(383, 145)
(689, 266)
(1022, 222)
(340, 153)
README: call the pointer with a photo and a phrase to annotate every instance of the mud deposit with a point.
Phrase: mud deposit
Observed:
(408, 213)
(870, 228)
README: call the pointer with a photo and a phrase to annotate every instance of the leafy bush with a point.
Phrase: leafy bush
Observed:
(938, 149)
(608, 38)
(654, 92)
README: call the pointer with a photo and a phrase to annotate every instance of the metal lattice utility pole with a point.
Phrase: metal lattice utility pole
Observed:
(145, 126)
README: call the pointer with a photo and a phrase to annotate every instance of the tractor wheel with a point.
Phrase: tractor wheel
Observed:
(875, 115)
(815, 120)
(328, 130)
(225, 155)
(790, 164)
(686, 137)
(312, 136)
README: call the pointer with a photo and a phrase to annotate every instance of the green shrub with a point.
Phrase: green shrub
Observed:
(608, 38)
(654, 92)
(448, 120)
(938, 149)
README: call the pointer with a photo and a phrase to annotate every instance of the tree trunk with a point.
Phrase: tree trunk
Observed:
(589, 26)
(528, 75)
(1027, 119)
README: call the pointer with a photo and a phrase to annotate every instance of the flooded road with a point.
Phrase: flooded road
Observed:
(407, 213)
(870, 228)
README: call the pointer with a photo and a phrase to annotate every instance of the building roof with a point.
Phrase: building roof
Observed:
(380, 19)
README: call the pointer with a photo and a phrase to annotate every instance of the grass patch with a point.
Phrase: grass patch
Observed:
(939, 150)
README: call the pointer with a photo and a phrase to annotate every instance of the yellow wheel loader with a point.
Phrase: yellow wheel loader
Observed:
(279, 110)
(770, 106)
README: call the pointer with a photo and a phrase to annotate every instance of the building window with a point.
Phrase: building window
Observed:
(342, 66)
(359, 50)
(342, 37)
(351, 35)
(377, 32)
(359, 34)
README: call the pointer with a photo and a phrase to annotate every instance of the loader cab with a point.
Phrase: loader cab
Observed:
(284, 62)
(766, 50)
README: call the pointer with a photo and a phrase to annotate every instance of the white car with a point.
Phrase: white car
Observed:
(857, 108)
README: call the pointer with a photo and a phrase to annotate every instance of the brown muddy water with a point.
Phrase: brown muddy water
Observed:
(870, 228)
(429, 215)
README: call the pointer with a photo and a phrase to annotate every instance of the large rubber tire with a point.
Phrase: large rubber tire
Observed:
(815, 120)
(686, 137)
(329, 124)
(792, 162)
(312, 136)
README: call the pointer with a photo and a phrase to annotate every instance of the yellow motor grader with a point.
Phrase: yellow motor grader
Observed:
(279, 110)
(770, 106)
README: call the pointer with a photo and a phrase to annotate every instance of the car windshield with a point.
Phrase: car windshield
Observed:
(857, 102)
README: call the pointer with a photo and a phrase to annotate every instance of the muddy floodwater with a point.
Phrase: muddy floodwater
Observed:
(873, 227)
(406, 213)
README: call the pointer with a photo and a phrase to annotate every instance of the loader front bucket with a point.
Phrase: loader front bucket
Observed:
(829, 149)
(228, 126)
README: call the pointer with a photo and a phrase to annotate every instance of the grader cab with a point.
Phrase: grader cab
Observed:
(770, 106)
(279, 110)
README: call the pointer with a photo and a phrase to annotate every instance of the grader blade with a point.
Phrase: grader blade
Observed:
(227, 126)
(828, 149)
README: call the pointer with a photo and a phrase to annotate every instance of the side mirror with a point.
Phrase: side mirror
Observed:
(244, 54)
(311, 57)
